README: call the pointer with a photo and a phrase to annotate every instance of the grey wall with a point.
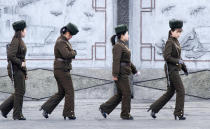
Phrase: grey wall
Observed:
(148, 23)
(150, 31)
(44, 18)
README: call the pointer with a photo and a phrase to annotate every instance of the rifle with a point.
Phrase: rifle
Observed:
(10, 65)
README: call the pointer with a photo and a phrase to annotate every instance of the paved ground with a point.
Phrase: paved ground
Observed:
(88, 117)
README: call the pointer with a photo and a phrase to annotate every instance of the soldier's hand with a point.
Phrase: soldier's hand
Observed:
(137, 74)
(12, 79)
(186, 73)
(181, 62)
(23, 64)
(75, 52)
(26, 77)
(114, 78)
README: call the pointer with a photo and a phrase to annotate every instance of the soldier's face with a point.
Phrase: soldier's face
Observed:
(125, 37)
(23, 33)
(176, 33)
(68, 35)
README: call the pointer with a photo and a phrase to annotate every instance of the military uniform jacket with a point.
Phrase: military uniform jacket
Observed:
(172, 55)
(121, 54)
(63, 50)
(16, 54)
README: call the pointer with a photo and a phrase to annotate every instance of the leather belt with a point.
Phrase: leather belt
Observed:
(125, 64)
(59, 59)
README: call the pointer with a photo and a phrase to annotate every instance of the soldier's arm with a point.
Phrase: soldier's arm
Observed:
(13, 49)
(133, 68)
(65, 52)
(167, 54)
(25, 71)
(117, 53)
(184, 67)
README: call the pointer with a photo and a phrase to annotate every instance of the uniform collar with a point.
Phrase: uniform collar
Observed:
(176, 42)
(173, 38)
(63, 37)
(120, 41)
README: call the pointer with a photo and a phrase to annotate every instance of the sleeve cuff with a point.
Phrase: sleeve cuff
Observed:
(115, 75)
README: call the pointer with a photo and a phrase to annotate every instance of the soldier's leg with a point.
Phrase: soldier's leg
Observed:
(112, 103)
(158, 104)
(67, 83)
(7, 105)
(126, 96)
(19, 83)
(51, 104)
(180, 94)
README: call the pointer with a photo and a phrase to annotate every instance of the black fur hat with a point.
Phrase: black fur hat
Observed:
(175, 24)
(72, 28)
(121, 28)
(19, 25)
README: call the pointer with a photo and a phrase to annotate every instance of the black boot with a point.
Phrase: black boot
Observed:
(180, 117)
(152, 114)
(4, 115)
(70, 118)
(21, 118)
(44, 113)
(104, 114)
(128, 118)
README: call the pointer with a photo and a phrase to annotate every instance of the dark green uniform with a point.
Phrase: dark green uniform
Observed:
(122, 67)
(172, 55)
(62, 65)
(16, 54)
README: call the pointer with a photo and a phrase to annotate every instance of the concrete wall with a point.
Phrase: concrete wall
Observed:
(148, 22)
(44, 18)
(150, 31)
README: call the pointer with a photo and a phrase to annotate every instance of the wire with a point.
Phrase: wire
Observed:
(108, 82)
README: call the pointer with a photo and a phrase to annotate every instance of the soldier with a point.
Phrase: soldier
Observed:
(62, 65)
(122, 67)
(17, 72)
(174, 63)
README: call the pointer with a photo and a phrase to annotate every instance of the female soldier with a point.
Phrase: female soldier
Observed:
(174, 63)
(62, 65)
(16, 57)
(122, 67)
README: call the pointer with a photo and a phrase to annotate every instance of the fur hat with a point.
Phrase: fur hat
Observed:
(19, 25)
(121, 28)
(175, 24)
(72, 28)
